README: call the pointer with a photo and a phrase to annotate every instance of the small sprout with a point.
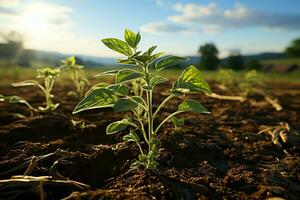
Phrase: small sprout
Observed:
(251, 84)
(226, 78)
(133, 91)
(48, 75)
(16, 99)
(78, 81)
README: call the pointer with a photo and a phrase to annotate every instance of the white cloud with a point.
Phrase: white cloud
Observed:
(9, 3)
(162, 27)
(159, 2)
(238, 12)
(213, 18)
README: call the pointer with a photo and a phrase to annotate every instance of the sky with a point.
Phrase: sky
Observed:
(177, 26)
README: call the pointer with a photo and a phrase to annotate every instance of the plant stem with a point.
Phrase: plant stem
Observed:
(150, 119)
(162, 105)
(166, 119)
(48, 87)
(142, 126)
(141, 150)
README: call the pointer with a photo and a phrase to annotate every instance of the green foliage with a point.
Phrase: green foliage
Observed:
(117, 126)
(253, 65)
(209, 56)
(251, 83)
(127, 75)
(98, 98)
(133, 92)
(48, 75)
(192, 105)
(235, 61)
(226, 77)
(118, 46)
(131, 38)
(79, 81)
(293, 50)
(245, 84)
(190, 81)
(168, 61)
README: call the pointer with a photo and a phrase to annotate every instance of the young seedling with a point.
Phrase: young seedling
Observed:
(17, 100)
(48, 75)
(144, 78)
(78, 81)
(225, 78)
(251, 84)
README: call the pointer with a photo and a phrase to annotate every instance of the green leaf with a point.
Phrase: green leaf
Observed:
(117, 126)
(108, 73)
(127, 74)
(97, 98)
(151, 49)
(26, 83)
(120, 89)
(177, 122)
(131, 38)
(118, 46)
(157, 80)
(126, 61)
(156, 56)
(169, 61)
(131, 137)
(125, 104)
(190, 81)
(192, 105)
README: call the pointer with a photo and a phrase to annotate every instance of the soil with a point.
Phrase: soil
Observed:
(216, 156)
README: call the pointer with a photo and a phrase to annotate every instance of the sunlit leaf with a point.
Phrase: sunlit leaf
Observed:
(157, 80)
(117, 126)
(108, 73)
(131, 38)
(126, 104)
(127, 74)
(169, 61)
(192, 105)
(120, 89)
(26, 83)
(190, 81)
(97, 98)
(118, 46)
(151, 49)
(131, 137)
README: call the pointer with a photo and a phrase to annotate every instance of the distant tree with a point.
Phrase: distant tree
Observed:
(235, 61)
(13, 46)
(294, 49)
(79, 60)
(209, 56)
(26, 57)
(253, 64)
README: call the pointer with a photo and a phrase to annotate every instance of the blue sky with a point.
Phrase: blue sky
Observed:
(177, 26)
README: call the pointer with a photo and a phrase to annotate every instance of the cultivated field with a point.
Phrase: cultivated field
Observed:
(220, 155)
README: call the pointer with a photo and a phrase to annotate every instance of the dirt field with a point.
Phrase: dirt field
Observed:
(216, 156)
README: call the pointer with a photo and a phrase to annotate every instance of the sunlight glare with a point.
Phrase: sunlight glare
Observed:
(34, 21)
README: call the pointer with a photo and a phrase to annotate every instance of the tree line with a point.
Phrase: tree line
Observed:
(210, 60)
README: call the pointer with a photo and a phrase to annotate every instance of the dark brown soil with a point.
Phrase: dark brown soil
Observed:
(216, 156)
